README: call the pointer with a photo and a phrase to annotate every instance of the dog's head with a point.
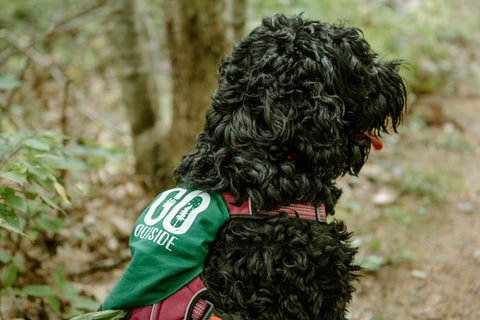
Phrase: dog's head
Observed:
(294, 101)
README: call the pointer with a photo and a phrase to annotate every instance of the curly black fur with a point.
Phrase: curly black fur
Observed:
(294, 99)
(300, 89)
(269, 270)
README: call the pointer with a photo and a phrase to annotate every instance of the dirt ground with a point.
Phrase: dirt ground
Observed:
(440, 278)
(428, 243)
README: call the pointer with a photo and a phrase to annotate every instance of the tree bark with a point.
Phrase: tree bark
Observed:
(136, 66)
(198, 35)
(197, 40)
(235, 16)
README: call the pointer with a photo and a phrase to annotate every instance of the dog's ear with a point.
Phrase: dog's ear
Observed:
(386, 103)
(381, 109)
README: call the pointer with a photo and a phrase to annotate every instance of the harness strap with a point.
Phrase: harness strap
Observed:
(201, 309)
(296, 210)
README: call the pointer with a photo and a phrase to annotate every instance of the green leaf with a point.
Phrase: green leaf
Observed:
(38, 290)
(67, 290)
(9, 275)
(36, 144)
(7, 213)
(42, 176)
(6, 191)
(99, 152)
(5, 257)
(4, 224)
(51, 203)
(52, 224)
(79, 234)
(30, 195)
(86, 304)
(8, 82)
(59, 278)
(58, 162)
(10, 221)
(39, 173)
(34, 208)
(13, 176)
(53, 303)
(15, 202)
(370, 263)
(102, 315)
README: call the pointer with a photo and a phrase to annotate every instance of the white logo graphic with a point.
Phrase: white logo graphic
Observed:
(177, 216)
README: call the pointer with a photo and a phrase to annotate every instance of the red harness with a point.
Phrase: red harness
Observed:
(296, 210)
(187, 302)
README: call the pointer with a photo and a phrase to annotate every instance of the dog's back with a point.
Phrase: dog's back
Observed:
(281, 268)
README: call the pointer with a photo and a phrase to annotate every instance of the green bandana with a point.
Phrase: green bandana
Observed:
(168, 244)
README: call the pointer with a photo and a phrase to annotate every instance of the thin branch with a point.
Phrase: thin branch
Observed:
(42, 61)
(46, 64)
(59, 27)
(17, 148)
(13, 92)
(11, 154)
(64, 118)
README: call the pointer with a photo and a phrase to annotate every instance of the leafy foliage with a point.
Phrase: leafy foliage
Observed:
(31, 186)
(33, 199)
(39, 164)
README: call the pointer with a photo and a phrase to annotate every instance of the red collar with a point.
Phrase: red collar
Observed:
(302, 211)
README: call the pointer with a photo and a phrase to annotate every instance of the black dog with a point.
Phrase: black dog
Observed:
(297, 106)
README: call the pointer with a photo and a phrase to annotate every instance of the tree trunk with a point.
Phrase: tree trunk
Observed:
(235, 16)
(136, 66)
(197, 39)
(198, 35)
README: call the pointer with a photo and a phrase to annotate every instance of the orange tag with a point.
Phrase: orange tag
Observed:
(215, 318)
(374, 140)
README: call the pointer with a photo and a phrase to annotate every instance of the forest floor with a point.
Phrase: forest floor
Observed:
(414, 210)
(431, 248)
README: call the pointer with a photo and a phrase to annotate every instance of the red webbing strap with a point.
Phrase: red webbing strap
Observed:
(199, 309)
(302, 211)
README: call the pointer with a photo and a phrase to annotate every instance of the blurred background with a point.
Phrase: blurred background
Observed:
(99, 99)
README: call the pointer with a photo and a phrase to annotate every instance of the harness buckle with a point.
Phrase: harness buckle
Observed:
(202, 309)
